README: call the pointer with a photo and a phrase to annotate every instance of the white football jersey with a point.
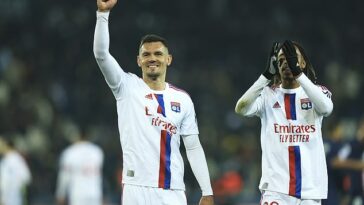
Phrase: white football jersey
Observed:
(150, 125)
(14, 176)
(293, 157)
(80, 175)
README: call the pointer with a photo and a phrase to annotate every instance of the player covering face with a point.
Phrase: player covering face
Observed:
(291, 112)
(153, 117)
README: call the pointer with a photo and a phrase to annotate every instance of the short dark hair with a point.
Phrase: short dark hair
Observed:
(149, 38)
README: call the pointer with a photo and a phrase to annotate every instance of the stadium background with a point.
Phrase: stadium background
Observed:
(50, 85)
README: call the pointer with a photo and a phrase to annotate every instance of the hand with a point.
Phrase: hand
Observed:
(105, 5)
(289, 51)
(207, 200)
(272, 67)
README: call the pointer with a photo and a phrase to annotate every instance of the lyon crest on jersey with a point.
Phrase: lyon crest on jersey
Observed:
(176, 107)
(306, 104)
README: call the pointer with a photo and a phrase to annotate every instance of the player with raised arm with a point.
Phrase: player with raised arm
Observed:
(153, 116)
(291, 112)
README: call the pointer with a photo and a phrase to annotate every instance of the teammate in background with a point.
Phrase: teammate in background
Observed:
(291, 111)
(333, 142)
(80, 175)
(153, 116)
(351, 159)
(14, 174)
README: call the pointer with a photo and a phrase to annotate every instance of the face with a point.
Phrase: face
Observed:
(283, 68)
(153, 59)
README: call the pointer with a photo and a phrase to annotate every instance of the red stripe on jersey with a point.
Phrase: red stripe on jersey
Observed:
(162, 161)
(287, 106)
(159, 109)
(292, 171)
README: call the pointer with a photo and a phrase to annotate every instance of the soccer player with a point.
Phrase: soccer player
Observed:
(291, 112)
(153, 116)
(350, 159)
(80, 175)
(14, 174)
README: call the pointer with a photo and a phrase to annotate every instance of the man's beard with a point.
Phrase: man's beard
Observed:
(153, 76)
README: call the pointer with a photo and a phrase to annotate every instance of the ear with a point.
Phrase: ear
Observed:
(169, 59)
(139, 61)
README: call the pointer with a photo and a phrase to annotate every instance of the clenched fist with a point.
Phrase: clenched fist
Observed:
(105, 5)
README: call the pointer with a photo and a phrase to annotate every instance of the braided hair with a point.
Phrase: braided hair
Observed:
(309, 71)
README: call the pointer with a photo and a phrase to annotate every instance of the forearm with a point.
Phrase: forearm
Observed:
(108, 65)
(197, 160)
(62, 184)
(251, 95)
(321, 101)
(348, 164)
(101, 38)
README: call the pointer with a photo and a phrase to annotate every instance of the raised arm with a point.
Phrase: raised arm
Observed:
(321, 98)
(248, 105)
(108, 65)
(245, 105)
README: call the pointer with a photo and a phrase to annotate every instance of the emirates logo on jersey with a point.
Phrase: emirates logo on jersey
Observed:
(169, 127)
(294, 133)
(149, 96)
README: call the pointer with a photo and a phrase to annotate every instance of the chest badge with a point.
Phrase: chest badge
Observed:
(306, 104)
(176, 107)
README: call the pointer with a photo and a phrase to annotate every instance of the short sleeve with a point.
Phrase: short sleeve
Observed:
(189, 123)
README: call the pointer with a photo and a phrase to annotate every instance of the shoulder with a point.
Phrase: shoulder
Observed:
(322, 87)
(133, 77)
(13, 157)
(273, 89)
(325, 90)
(96, 148)
(68, 151)
(179, 91)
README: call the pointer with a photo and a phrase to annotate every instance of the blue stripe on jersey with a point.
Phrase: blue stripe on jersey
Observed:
(161, 103)
(167, 179)
(290, 105)
(297, 154)
(292, 102)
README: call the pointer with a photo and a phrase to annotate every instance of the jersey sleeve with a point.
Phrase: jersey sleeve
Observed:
(63, 178)
(252, 101)
(319, 95)
(255, 108)
(114, 75)
(189, 122)
(24, 172)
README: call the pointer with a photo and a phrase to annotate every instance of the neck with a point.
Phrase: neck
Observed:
(290, 84)
(155, 84)
(7, 150)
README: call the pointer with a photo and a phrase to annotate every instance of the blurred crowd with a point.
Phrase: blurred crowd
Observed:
(51, 87)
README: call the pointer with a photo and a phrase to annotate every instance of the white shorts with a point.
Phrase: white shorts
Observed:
(140, 195)
(275, 198)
